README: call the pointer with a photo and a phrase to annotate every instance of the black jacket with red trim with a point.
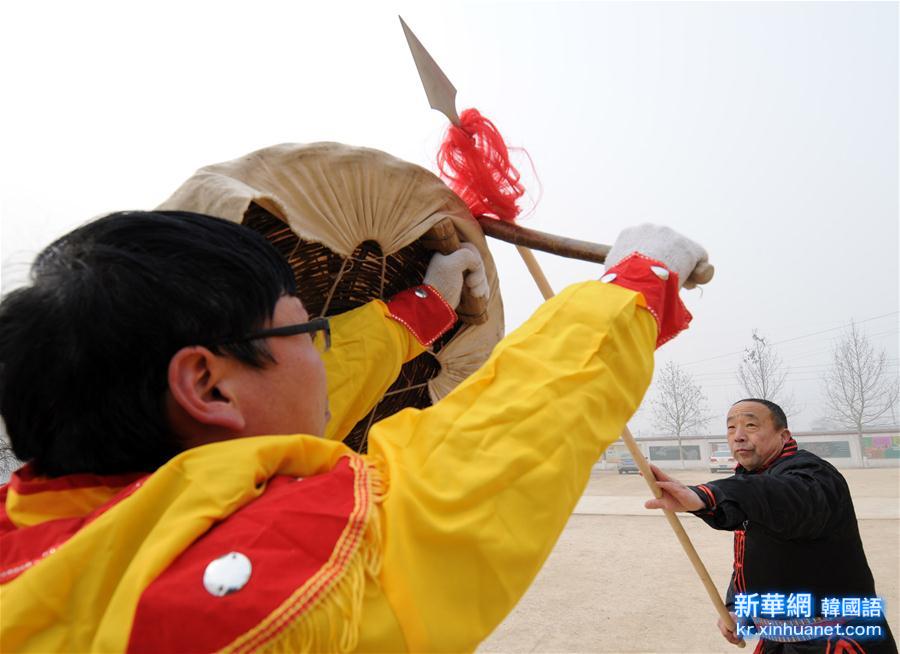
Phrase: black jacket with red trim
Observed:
(800, 529)
(795, 529)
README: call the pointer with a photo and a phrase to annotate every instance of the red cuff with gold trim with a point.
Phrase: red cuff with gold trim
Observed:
(659, 286)
(423, 311)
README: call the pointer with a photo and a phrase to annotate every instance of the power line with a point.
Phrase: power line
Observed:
(796, 338)
(825, 331)
(789, 369)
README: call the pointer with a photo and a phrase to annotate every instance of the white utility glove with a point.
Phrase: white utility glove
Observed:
(447, 273)
(678, 253)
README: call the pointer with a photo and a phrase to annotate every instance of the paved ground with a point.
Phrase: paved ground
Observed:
(618, 580)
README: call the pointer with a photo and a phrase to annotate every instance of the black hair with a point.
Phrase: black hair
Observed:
(85, 348)
(779, 419)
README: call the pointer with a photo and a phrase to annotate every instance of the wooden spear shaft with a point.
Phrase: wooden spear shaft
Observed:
(562, 246)
(547, 291)
(537, 273)
(680, 533)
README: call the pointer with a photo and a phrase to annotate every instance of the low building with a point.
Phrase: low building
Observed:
(880, 448)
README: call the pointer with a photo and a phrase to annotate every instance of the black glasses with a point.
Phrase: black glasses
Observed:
(311, 327)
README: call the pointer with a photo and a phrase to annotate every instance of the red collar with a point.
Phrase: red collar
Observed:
(789, 449)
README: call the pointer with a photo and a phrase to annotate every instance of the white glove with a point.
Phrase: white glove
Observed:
(447, 273)
(678, 253)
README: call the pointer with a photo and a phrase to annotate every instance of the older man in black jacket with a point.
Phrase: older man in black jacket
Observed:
(800, 572)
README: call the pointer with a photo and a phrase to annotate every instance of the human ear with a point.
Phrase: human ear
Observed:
(196, 383)
(785, 435)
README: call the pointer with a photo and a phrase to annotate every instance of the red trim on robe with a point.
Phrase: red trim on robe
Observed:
(288, 534)
(20, 548)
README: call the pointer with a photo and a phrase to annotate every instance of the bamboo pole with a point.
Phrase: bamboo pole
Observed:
(536, 271)
(680, 533)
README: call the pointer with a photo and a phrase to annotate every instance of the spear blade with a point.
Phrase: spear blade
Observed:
(440, 91)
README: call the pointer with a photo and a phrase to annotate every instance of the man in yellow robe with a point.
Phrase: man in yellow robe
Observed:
(179, 495)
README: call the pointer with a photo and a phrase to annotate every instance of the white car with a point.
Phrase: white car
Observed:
(722, 461)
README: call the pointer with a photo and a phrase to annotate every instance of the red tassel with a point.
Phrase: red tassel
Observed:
(474, 162)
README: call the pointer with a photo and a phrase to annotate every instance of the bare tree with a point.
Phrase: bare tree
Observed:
(679, 406)
(858, 389)
(762, 374)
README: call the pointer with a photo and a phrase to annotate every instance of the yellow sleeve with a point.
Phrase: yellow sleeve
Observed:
(482, 483)
(367, 351)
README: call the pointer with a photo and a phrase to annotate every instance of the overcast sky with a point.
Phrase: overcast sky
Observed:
(766, 131)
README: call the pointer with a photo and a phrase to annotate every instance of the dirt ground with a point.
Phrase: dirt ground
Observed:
(618, 581)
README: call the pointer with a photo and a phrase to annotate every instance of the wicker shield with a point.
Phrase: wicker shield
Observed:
(356, 224)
